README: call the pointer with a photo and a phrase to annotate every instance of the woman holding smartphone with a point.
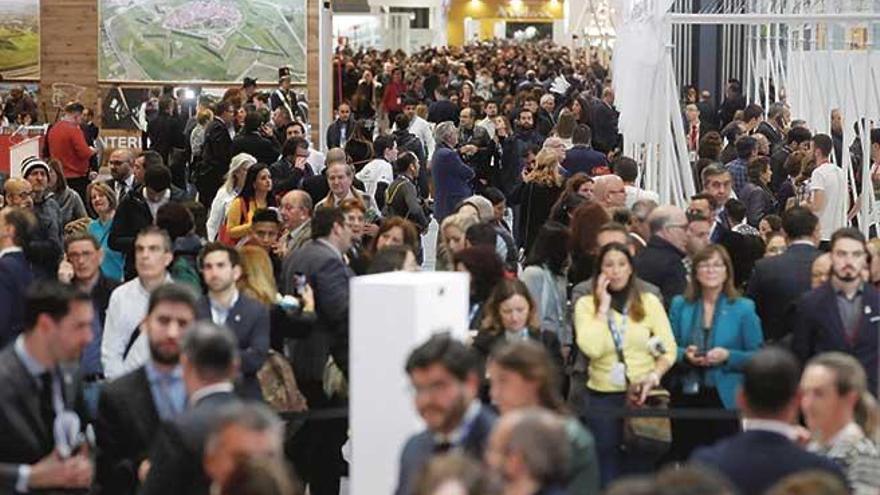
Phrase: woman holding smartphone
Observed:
(626, 335)
(717, 332)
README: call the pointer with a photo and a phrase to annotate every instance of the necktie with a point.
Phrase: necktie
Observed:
(694, 137)
(47, 408)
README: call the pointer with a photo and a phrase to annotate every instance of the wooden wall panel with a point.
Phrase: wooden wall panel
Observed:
(68, 52)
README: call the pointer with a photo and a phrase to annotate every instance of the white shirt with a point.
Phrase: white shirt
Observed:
(154, 207)
(125, 312)
(423, 130)
(634, 194)
(220, 313)
(209, 390)
(316, 160)
(830, 179)
(219, 208)
(10, 250)
(378, 170)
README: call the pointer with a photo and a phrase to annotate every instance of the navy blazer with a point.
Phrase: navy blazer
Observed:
(584, 159)
(776, 284)
(419, 449)
(249, 321)
(15, 277)
(819, 328)
(756, 460)
(452, 180)
(660, 264)
(735, 327)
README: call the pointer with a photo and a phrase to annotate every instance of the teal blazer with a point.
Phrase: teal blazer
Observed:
(735, 327)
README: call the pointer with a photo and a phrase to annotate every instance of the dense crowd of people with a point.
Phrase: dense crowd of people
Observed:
(181, 299)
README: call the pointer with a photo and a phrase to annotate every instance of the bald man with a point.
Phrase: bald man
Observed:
(661, 261)
(296, 216)
(610, 192)
(19, 193)
(121, 169)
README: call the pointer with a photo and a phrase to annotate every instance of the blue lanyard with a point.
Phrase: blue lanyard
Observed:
(618, 332)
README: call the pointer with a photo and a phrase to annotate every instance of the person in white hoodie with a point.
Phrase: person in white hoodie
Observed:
(379, 169)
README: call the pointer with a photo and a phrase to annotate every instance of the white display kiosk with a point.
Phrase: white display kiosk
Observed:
(391, 314)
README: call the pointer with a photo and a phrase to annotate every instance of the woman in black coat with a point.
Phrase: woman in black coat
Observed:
(536, 196)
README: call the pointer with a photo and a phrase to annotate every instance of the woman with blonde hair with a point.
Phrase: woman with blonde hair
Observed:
(238, 168)
(536, 196)
(257, 276)
(452, 239)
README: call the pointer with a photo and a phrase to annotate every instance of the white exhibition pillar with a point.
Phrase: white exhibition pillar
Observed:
(391, 314)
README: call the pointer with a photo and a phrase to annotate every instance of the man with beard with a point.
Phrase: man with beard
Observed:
(225, 305)
(132, 407)
(841, 314)
(445, 382)
(121, 162)
(419, 126)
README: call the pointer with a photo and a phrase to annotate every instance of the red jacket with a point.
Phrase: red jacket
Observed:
(67, 144)
(391, 100)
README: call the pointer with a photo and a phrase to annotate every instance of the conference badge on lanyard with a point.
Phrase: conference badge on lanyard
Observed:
(618, 333)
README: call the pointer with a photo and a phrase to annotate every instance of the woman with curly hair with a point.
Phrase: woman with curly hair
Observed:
(536, 195)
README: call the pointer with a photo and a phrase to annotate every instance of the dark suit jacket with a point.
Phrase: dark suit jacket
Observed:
(249, 321)
(328, 276)
(15, 277)
(217, 150)
(264, 149)
(125, 427)
(584, 159)
(452, 180)
(442, 111)
(776, 284)
(755, 460)
(24, 436)
(176, 456)
(606, 135)
(660, 264)
(419, 449)
(818, 328)
(334, 132)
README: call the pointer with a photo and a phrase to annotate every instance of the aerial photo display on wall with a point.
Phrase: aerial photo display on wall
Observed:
(201, 40)
(19, 39)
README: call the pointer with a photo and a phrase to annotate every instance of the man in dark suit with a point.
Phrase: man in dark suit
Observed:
(442, 110)
(216, 153)
(842, 314)
(452, 177)
(581, 157)
(16, 226)
(777, 282)
(33, 392)
(765, 452)
(210, 362)
(136, 211)
(225, 305)
(315, 449)
(340, 130)
(455, 418)
(82, 269)
(606, 135)
(131, 407)
(660, 263)
(256, 140)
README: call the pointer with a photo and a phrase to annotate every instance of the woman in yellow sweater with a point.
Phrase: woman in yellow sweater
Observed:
(627, 337)
(255, 194)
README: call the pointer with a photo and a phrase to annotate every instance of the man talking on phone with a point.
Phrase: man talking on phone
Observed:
(226, 306)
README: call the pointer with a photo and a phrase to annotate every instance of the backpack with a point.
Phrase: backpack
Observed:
(278, 385)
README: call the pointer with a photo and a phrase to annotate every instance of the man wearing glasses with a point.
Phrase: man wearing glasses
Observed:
(121, 162)
(662, 261)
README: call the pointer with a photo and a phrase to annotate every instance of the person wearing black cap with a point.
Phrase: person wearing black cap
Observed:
(283, 96)
(46, 209)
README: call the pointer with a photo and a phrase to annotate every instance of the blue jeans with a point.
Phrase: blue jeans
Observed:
(608, 431)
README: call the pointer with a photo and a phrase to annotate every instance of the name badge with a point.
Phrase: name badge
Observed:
(618, 374)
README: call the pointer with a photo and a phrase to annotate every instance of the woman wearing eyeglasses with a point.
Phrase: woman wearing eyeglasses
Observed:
(717, 331)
